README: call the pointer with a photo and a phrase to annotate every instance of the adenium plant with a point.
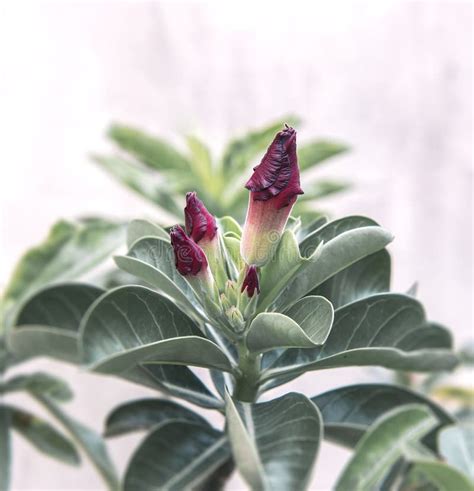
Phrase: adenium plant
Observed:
(257, 307)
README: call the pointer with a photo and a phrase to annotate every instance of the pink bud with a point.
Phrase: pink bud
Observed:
(251, 283)
(200, 224)
(274, 188)
(189, 257)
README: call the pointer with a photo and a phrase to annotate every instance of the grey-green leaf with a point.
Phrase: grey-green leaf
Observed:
(307, 324)
(383, 445)
(133, 324)
(366, 277)
(70, 250)
(143, 414)
(388, 330)
(141, 180)
(337, 254)
(317, 151)
(456, 446)
(151, 150)
(48, 323)
(47, 384)
(349, 411)
(88, 440)
(5, 448)
(274, 443)
(175, 380)
(138, 229)
(44, 437)
(177, 455)
(152, 260)
(443, 476)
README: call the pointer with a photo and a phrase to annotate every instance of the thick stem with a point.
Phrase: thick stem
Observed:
(246, 388)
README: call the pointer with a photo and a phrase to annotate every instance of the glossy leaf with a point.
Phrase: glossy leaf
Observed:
(317, 151)
(443, 476)
(349, 411)
(306, 325)
(47, 384)
(70, 250)
(177, 455)
(151, 150)
(153, 261)
(133, 324)
(175, 380)
(383, 445)
(89, 441)
(44, 437)
(388, 330)
(274, 443)
(5, 448)
(138, 229)
(144, 414)
(141, 180)
(366, 277)
(48, 323)
(456, 446)
(335, 255)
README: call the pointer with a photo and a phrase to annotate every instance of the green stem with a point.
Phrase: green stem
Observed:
(247, 383)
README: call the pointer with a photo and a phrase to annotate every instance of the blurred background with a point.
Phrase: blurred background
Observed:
(391, 79)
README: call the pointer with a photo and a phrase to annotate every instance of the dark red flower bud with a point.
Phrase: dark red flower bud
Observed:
(277, 178)
(274, 187)
(200, 224)
(189, 257)
(251, 281)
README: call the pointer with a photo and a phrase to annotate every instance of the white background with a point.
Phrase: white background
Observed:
(393, 79)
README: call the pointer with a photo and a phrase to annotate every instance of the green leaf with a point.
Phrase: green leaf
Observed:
(443, 476)
(70, 250)
(133, 324)
(89, 441)
(5, 448)
(383, 445)
(138, 229)
(44, 383)
(335, 255)
(274, 443)
(152, 260)
(282, 269)
(388, 330)
(177, 455)
(331, 230)
(317, 151)
(44, 437)
(150, 150)
(349, 411)
(228, 224)
(48, 323)
(366, 277)
(241, 151)
(201, 166)
(321, 189)
(306, 325)
(143, 181)
(456, 446)
(144, 414)
(175, 380)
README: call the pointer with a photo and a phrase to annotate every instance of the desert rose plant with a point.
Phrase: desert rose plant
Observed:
(257, 307)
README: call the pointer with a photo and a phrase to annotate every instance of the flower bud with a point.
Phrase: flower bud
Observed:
(274, 188)
(200, 224)
(202, 228)
(189, 257)
(250, 283)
